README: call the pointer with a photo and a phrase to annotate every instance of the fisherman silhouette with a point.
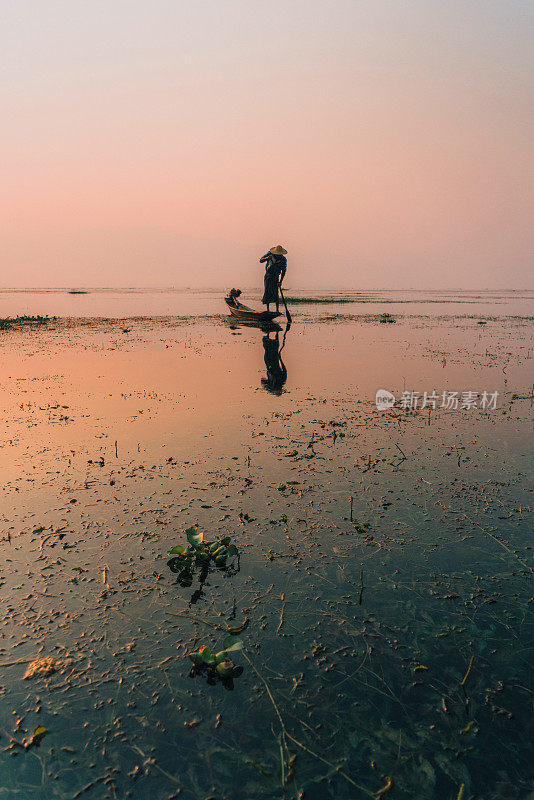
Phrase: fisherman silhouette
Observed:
(276, 369)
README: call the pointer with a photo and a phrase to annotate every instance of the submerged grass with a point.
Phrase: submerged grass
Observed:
(319, 300)
(14, 322)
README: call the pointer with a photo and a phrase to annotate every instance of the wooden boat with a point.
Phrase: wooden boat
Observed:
(240, 311)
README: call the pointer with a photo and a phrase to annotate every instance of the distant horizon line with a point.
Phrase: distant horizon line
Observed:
(255, 288)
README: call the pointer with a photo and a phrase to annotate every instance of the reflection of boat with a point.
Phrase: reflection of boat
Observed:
(240, 311)
(77, 291)
(264, 325)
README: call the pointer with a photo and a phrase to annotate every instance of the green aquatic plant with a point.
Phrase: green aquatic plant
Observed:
(200, 554)
(198, 550)
(218, 664)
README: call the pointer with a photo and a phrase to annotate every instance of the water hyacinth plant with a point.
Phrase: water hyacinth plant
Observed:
(218, 664)
(199, 553)
(197, 550)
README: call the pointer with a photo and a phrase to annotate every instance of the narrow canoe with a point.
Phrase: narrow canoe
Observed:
(240, 311)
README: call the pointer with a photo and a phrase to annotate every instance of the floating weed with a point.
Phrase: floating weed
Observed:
(419, 668)
(18, 322)
(471, 727)
(218, 665)
(199, 553)
(318, 300)
(36, 738)
(240, 628)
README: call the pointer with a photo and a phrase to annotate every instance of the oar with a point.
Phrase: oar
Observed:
(288, 315)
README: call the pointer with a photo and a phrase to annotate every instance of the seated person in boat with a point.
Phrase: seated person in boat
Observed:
(275, 268)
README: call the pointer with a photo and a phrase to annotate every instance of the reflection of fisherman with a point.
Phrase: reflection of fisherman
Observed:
(276, 369)
(275, 268)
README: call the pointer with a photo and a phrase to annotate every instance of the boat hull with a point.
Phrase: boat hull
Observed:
(240, 311)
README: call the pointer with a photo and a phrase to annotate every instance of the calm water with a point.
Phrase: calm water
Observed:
(387, 651)
(123, 303)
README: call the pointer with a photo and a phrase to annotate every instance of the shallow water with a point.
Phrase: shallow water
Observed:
(118, 435)
(122, 303)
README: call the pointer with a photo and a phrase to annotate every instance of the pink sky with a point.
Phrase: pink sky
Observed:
(385, 144)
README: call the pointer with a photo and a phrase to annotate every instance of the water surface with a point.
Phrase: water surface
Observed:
(122, 303)
(385, 564)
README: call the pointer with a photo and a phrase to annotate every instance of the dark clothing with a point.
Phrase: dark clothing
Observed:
(276, 370)
(275, 270)
(275, 264)
(270, 288)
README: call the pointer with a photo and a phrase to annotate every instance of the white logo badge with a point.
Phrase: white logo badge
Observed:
(384, 400)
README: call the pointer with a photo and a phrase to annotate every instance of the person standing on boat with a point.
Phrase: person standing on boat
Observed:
(276, 369)
(275, 269)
